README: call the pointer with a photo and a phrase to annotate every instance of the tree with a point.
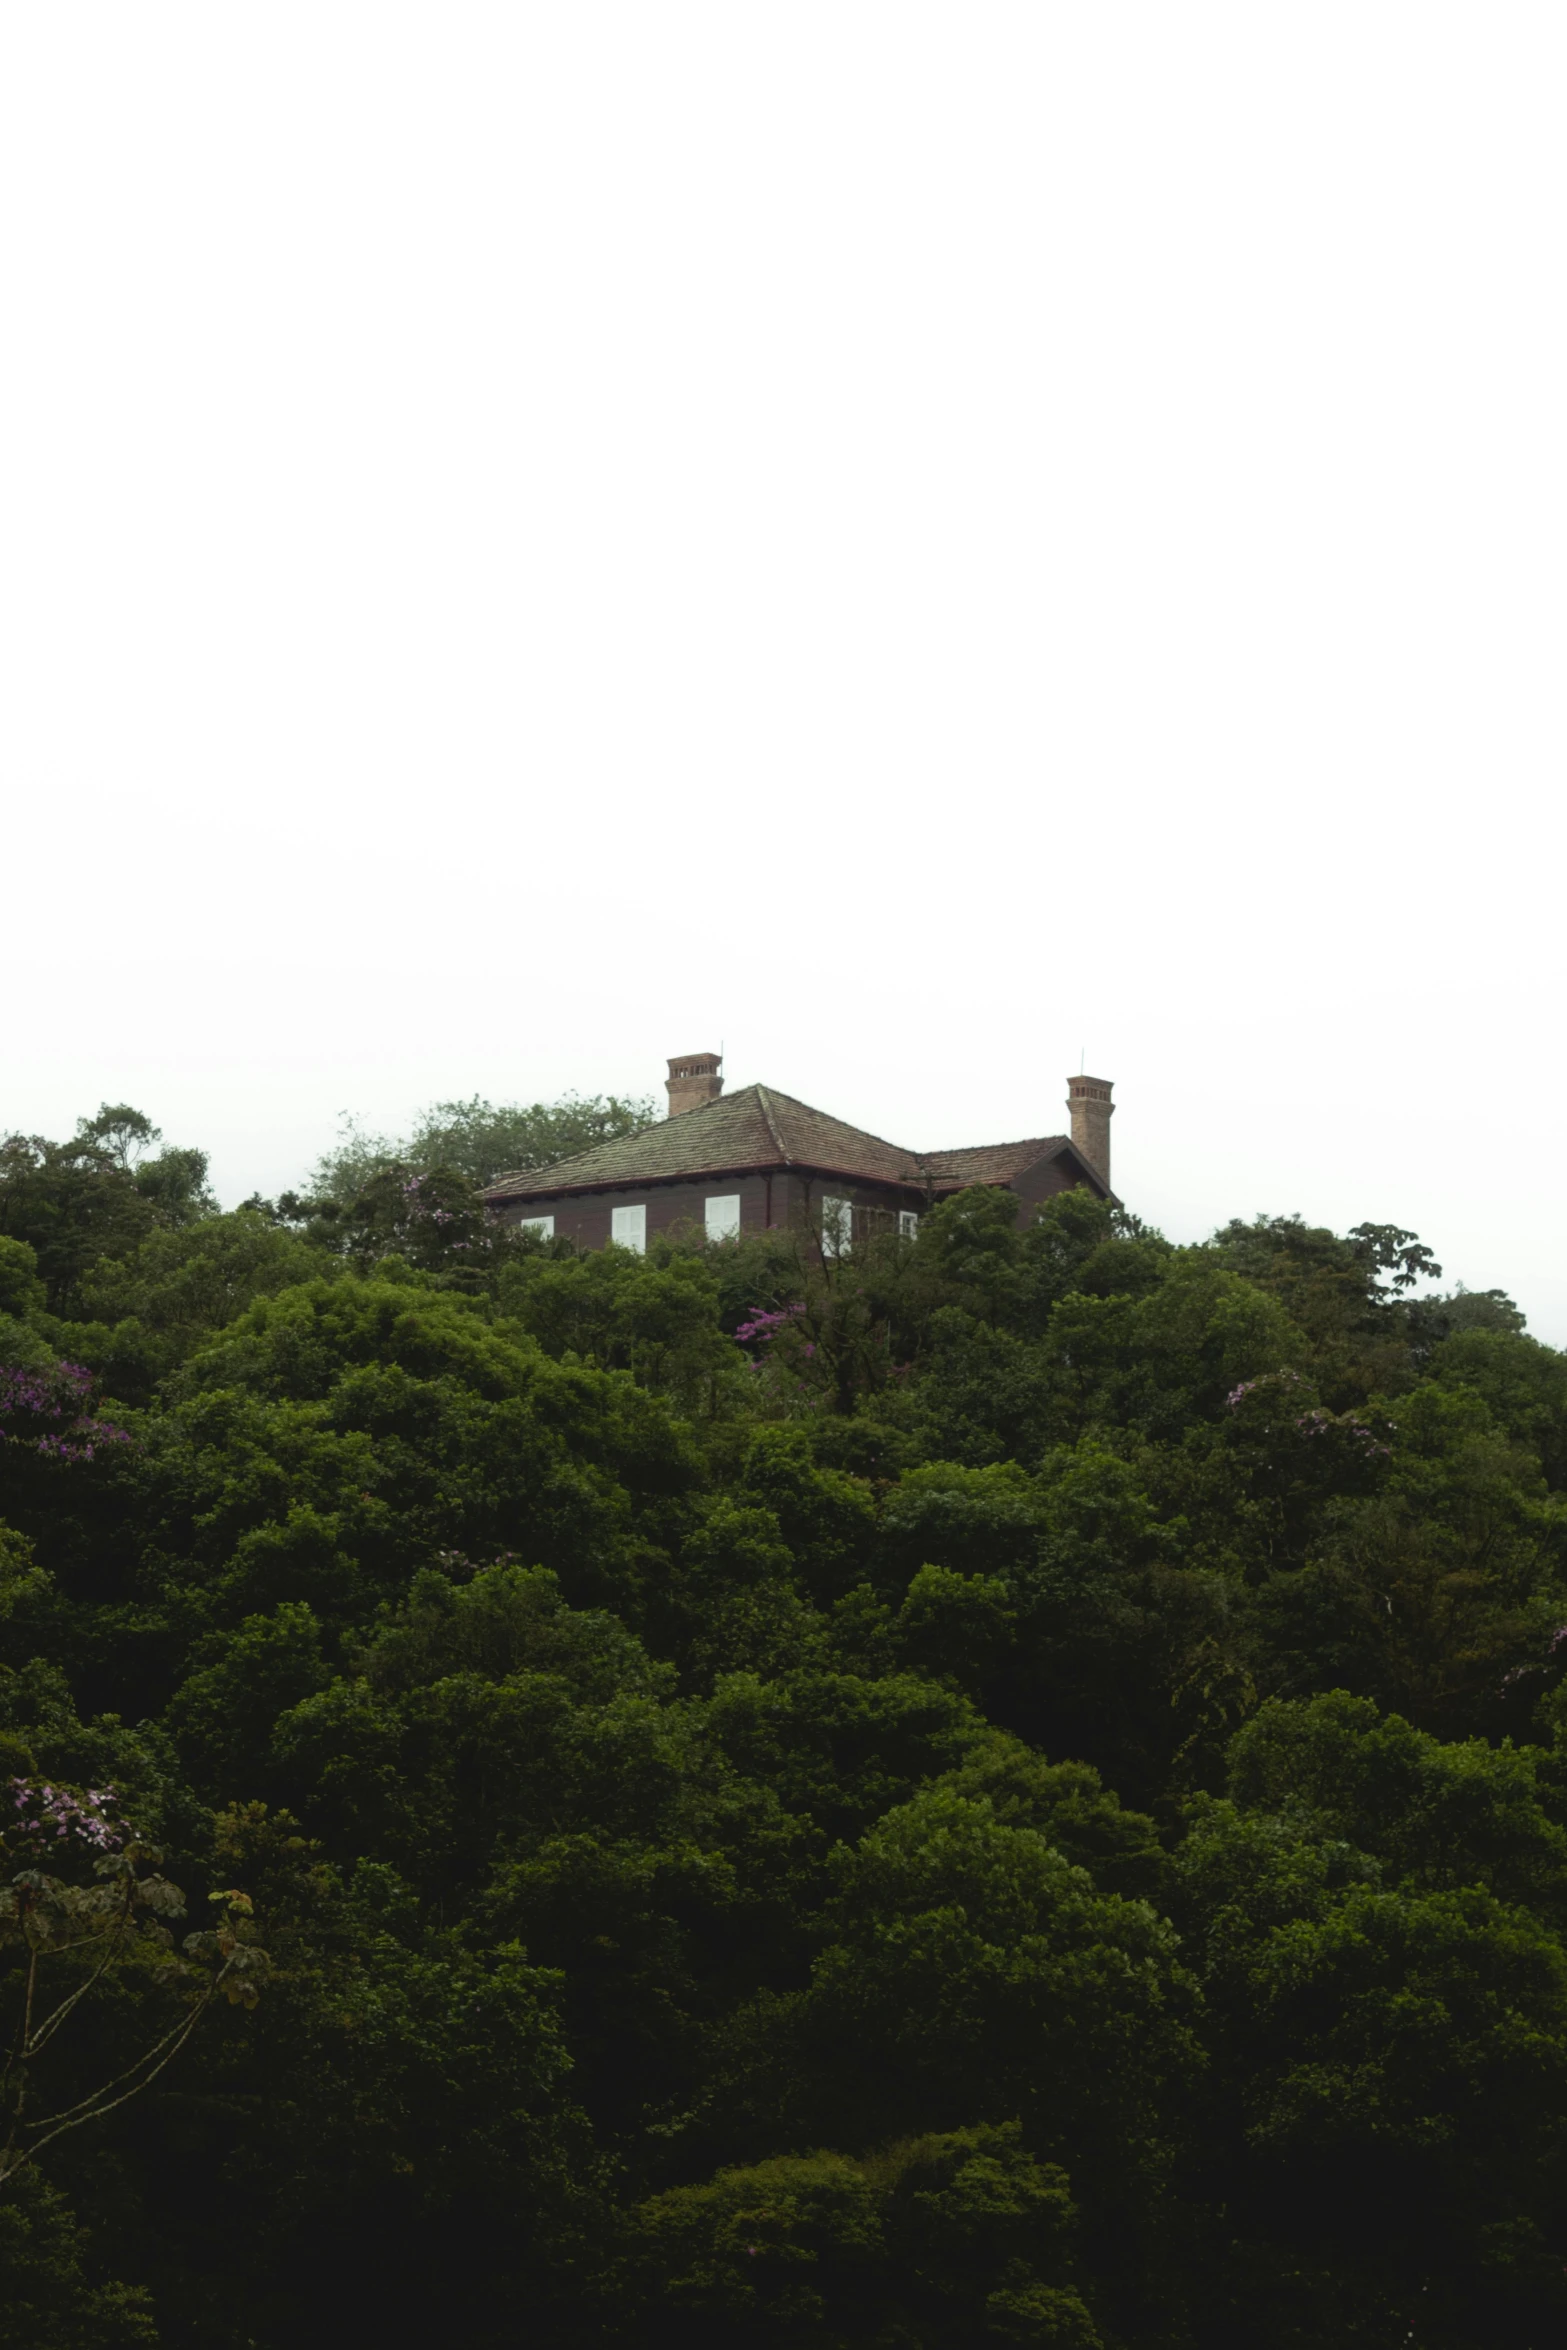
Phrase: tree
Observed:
(92, 1934)
(479, 1140)
(96, 1196)
(972, 1974)
(936, 2243)
(52, 2299)
(1388, 2072)
(1009, 1785)
(146, 1312)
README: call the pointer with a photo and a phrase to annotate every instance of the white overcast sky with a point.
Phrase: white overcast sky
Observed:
(912, 543)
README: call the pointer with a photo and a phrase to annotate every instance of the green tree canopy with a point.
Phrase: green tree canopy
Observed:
(1007, 1787)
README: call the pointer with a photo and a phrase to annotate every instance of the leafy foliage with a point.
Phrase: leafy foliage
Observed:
(96, 1932)
(1006, 1787)
(478, 1140)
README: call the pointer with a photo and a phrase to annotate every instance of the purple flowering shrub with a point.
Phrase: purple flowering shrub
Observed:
(761, 1327)
(833, 1343)
(40, 1815)
(1277, 1409)
(782, 1355)
(44, 1409)
(422, 1202)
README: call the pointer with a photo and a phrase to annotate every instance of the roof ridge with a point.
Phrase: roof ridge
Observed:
(765, 1104)
(665, 1147)
(948, 1149)
(833, 1119)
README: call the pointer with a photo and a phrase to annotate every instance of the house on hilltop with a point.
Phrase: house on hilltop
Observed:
(754, 1160)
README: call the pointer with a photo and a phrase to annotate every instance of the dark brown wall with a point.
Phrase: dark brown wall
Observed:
(1043, 1180)
(1035, 1184)
(585, 1217)
(777, 1200)
(875, 1204)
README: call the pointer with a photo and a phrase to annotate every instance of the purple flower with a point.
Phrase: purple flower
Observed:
(46, 1809)
(763, 1326)
(54, 1397)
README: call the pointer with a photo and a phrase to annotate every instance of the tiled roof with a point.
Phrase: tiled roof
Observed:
(758, 1128)
(992, 1162)
(753, 1128)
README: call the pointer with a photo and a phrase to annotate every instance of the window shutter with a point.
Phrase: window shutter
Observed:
(723, 1217)
(628, 1228)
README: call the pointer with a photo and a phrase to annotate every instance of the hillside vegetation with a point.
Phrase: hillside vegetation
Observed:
(1009, 1789)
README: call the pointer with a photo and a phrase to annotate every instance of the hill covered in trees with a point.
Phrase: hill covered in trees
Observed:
(1011, 1788)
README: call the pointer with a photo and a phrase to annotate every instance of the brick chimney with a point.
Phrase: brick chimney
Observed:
(694, 1078)
(1088, 1099)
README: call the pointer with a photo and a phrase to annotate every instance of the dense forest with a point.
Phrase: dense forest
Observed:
(1009, 1787)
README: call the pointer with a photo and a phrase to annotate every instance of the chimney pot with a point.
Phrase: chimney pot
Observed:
(1088, 1099)
(694, 1078)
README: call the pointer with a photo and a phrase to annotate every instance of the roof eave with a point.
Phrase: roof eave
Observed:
(498, 1195)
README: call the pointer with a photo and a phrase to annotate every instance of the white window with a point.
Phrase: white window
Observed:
(723, 1217)
(837, 1226)
(544, 1226)
(908, 1223)
(628, 1228)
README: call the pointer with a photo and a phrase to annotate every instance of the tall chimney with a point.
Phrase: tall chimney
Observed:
(1088, 1099)
(694, 1078)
